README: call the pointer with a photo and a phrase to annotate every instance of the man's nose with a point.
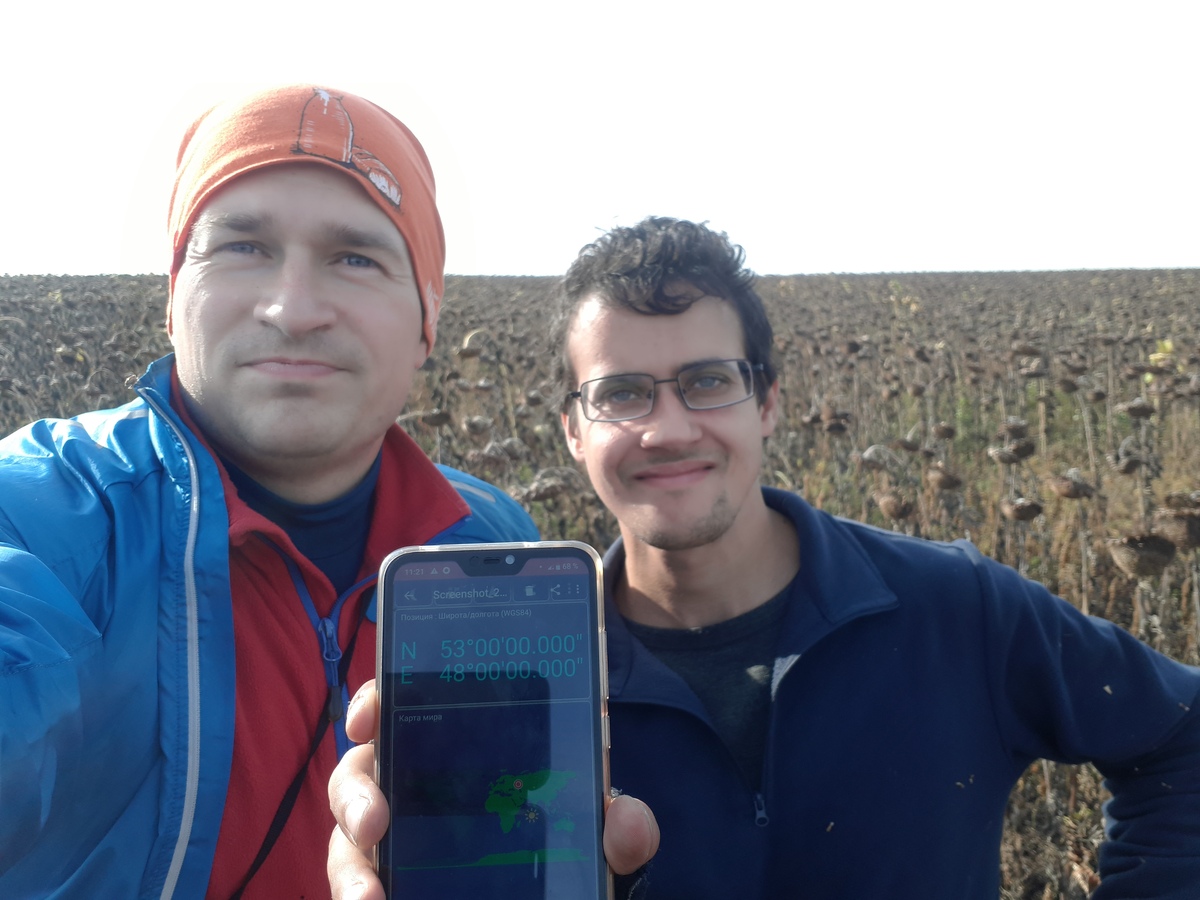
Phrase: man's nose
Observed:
(295, 300)
(670, 421)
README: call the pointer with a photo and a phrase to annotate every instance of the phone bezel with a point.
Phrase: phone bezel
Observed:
(406, 556)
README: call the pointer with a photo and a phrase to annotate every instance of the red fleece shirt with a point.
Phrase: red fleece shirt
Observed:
(281, 686)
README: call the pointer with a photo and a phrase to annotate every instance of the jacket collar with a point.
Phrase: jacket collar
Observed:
(156, 379)
(842, 580)
(407, 479)
(167, 432)
(839, 583)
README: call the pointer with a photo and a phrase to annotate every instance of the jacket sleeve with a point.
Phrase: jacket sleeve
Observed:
(495, 516)
(633, 886)
(78, 698)
(1153, 821)
(1075, 689)
(45, 640)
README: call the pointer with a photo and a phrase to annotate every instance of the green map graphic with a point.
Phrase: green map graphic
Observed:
(527, 797)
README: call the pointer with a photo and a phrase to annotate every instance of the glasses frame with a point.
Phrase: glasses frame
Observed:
(754, 368)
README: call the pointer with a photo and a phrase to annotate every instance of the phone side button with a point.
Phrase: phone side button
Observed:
(604, 729)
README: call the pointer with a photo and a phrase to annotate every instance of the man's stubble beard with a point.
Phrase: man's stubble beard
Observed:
(699, 533)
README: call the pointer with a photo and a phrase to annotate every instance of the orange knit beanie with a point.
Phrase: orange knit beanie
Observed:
(303, 123)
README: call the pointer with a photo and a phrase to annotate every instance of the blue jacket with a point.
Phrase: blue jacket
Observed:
(116, 649)
(913, 684)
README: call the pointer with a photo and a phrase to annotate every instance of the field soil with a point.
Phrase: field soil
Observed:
(943, 405)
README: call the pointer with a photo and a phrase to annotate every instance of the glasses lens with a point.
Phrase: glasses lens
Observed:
(712, 384)
(618, 397)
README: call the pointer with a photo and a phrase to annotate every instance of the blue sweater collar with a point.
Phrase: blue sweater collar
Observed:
(838, 583)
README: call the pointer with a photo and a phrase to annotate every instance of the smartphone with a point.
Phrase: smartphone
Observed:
(493, 737)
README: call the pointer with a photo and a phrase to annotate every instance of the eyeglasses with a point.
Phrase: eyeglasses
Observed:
(703, 385)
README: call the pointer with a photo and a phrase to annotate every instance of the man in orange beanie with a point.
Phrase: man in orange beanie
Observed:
(187, 582)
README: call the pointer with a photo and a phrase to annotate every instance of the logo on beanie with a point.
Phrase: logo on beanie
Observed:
(327, 131)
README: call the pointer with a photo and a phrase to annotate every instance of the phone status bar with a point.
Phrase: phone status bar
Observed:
(451, 591)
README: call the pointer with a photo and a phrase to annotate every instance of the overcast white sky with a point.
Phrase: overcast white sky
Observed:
(848, 136)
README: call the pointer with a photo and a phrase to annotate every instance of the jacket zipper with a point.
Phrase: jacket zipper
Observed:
(783, 665)
(326, 629)
(335, 706)
(761, 819)
(192, 783)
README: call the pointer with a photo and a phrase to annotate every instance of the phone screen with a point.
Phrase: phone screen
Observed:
(492, 747)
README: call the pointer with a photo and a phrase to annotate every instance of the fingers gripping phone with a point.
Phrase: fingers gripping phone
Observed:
(493, 737)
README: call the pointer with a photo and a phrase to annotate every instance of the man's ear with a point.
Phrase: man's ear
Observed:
(570, 425)
(426, 352)
(769, 410)
(429, 324)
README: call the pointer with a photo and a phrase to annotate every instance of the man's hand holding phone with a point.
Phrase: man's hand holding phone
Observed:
(630, 831)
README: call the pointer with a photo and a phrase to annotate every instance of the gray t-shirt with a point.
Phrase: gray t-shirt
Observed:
(728, 665)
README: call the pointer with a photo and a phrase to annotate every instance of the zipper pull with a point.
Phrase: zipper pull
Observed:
(761, 819)
(330, 650)
(333, 706)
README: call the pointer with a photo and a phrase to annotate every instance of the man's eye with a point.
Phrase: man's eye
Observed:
(622, 395)
(708, 381)
(618, 394)
(239, 247)
(358, 261)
